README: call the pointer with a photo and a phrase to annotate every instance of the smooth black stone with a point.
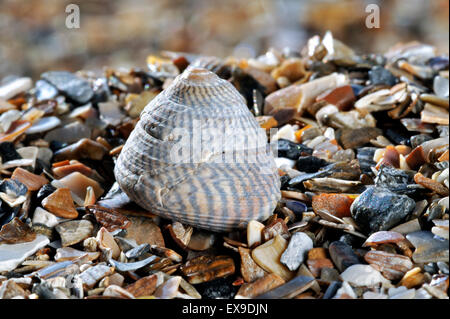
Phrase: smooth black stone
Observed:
(296, 206)
(57, 145)
(380, 209)
(332, 289)
(397, 136)
(380, 75)
(351, 240)
(220, 288)
(292, 150)
(8, 152)
(72, 86)
(45, 91)
(310, 164)
(342, 255)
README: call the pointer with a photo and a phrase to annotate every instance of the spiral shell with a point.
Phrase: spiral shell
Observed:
(223, 178)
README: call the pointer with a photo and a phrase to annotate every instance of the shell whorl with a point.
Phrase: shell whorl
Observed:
(202, 187)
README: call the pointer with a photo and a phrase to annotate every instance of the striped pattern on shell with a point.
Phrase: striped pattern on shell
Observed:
(203, 189)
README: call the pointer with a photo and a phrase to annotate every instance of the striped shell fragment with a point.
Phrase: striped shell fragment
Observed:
(198, 156)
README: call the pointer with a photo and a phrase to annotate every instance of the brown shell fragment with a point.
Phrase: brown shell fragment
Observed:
(416, 158)
(260, 286)
(250, 271)
(16, 232)
(431, 184)
(16, 129)
(342, 97)
(109, 218)
(207, 268)
(392, 266)
(353, 138)
(60, 203)
(391, 157)
(277, 226)
(32, 181)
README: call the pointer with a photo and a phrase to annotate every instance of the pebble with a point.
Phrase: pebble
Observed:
(144, 230)
(335, 204)
(145, 286)
(410, 226)
(60, 203)
(290, 289)
(45, 91)
(206, 268)
(74, 231)
(94, 274)
(380, 75)
(70, 133)
(392, 266)
(428, 248)
(362, 276)
(342, 255)
(43, 217)
(74, 87)
(268, 255)
(297, 249)
(260, 286)
(250, 271)
(316, 265)
(380, 209)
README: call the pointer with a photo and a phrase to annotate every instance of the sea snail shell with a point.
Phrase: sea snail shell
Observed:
(221, 187)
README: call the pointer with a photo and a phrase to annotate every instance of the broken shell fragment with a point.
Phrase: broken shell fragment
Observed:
(206, 268)
(75, 231)
(61, 204)
(268, 255)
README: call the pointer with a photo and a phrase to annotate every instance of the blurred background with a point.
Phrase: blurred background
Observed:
(121, 33)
